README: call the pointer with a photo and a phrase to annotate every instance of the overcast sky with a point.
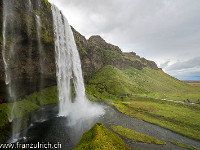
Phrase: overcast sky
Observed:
(165, 31)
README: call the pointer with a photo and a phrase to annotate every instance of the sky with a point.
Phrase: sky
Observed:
(165, 31)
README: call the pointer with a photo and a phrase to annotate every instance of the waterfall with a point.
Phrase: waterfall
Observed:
(40, 46)
(68, 65)
(29, 10)
(8, 54)
(11, 56)
(68, 71)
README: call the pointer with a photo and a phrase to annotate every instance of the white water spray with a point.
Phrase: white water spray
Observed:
(68, 70)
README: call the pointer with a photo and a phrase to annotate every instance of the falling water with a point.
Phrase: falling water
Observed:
(8, 54)
(29, 11)
(68, 71)
(40, 47)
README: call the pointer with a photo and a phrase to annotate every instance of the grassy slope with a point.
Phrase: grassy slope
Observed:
(99, 137)
(145, 82)
(136, 136)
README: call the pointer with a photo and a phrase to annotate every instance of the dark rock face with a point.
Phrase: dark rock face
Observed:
(33, 66)
(30, 53)
(101, 43)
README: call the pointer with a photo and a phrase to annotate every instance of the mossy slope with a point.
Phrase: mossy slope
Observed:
(24, 107)
(99, 137)
(146, 82)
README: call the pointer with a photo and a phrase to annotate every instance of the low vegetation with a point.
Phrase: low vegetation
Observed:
(181, 118)
(28, 104)
(195, 84)
(183, 145)
(99, 137)
(135, 136)
(146, 82)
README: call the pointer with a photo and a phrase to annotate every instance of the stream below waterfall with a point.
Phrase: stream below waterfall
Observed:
(48, 127)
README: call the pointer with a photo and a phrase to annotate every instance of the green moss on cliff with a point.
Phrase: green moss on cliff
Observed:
(47, 37)
(43, 97)
(80, 47)
(98, 138)
(136, 136)
(45, 14)
(110, 56)
(47, 4)
(27, 105)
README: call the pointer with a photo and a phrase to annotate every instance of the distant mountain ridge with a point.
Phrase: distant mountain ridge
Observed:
(96, 53)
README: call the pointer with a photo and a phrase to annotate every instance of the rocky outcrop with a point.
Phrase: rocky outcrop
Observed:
(96, 52)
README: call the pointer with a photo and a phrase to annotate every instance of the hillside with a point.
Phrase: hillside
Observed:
(145, 82)
(108, 70)
(96, 53)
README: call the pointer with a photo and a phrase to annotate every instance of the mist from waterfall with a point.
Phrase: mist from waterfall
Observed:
(69, 73)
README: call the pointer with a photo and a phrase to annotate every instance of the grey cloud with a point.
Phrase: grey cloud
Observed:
(165, 64)
(192, 63)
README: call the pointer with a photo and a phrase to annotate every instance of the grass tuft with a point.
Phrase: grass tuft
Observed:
(183, 145)
(136, 136)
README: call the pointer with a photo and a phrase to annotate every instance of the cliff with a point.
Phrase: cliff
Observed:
(31, 60)
(33, 65)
